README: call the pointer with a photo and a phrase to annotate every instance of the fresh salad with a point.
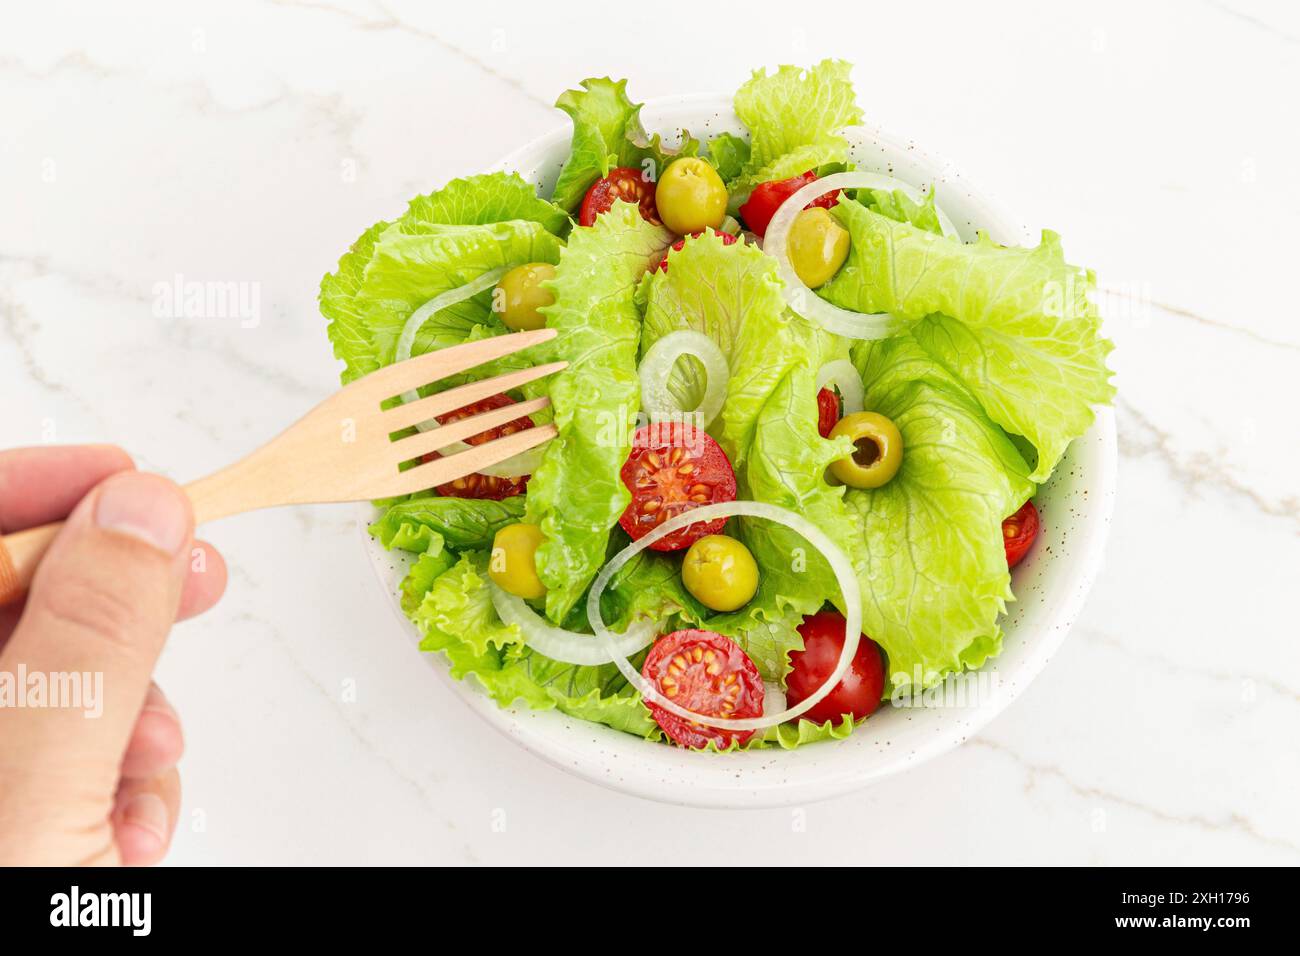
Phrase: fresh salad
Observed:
(799, 431)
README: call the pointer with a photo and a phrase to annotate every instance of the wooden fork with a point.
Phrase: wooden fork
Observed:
(342, 449)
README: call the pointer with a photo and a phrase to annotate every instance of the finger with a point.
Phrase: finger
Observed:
(206, 581)
(40, 485)
(144, 817)
(157, 741)
(203, 588)
(101, 605)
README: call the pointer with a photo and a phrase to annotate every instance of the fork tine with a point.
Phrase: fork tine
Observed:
(392, 380)
(443, 470)
(413, 413)
(422, 443)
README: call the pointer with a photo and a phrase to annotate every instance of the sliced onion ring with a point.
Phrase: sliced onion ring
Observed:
(839, 563)
(843, 374)
(569, 647)
(526, 462)
(657, 366)
(806, 302)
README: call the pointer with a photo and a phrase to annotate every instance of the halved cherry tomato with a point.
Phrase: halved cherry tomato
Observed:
(828, 411)
(726, 237)
(767, 198)
(625, 183)
(1019, 532)
(707, 674)
(673, 468)
(857, 693)
(476, 485)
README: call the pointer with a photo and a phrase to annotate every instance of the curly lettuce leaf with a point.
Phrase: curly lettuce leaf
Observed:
(933, 567)
(457, 608)
(414, 524)
(413, 261)
(456, 617)
(576, 494)
(1015, 326)
(492, 197)
(607, 133)
(426, 569)
(443, 240)
(794, 119)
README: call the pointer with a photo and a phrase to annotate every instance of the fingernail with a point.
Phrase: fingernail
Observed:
(146, 507)
(146, 810)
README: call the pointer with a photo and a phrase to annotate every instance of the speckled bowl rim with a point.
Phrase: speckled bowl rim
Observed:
(771, 778)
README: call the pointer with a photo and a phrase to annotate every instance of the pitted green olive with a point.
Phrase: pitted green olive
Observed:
(877, 452)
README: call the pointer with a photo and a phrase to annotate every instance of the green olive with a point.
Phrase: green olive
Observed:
(817, 246)
(720, 572)
(878, 450)
(690, 196)
(520, 294)
(513, 563)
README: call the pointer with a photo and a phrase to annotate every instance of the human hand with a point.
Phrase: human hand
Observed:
(78, 787)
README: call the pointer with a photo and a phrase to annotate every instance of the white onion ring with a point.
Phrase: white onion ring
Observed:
(806, 302)
(524, 463)
(568, 647)
(657, 366)
(843, 374)
(839, 563)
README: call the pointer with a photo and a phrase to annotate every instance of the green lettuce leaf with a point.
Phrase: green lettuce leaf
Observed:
(794, 119)
(426, 569)
(456, 617)
(492, 197)
(414, 524)
(901, 207)
(649, 586)
(576, 494)
(729, 155)
(1015, 326)
(444, 240)
(933, 568)
(607, 133)
(768, 637)
(457, 609)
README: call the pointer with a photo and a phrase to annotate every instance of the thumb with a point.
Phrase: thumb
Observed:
(100, 607)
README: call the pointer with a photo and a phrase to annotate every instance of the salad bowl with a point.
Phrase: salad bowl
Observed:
(1050, 585)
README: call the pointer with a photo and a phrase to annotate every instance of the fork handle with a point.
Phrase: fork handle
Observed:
(219, 495)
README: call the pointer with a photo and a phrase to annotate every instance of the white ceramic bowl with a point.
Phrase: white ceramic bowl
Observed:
(1050, 585)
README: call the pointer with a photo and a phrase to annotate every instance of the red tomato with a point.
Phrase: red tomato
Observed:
(673, 468)
(1019, 532)
(857, 693)
(705, 673)
(767, 198)
(623, 183)
(828, 411)
(476, 485)
(726, 237)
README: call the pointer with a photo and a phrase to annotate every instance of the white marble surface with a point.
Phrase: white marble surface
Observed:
(251, 141)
